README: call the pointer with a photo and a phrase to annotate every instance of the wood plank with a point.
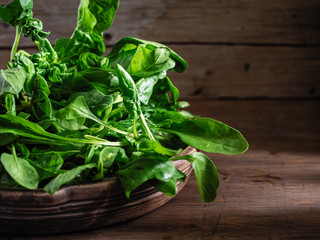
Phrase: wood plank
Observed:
(246, 71)
(270, 192)
(243, 71)
(274, 126)
(284, 22)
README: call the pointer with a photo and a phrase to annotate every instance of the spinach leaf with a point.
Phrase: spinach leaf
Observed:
(129, 91)
(131, 99)
(20, 170)
(145, 86)
(66, 177)
(47, 164)
(76, 112)
(21, 127)
(203, 133)
(96, 101)
(147, 145)
(96, 15)
(160, 98)
(93, 18)
(206, 174)
(16, 11)
(5, 180)
(180, 63)
(144, 60)
(12, 80)
(106, 157)
(81, 42)
(145, 168)
(169, 187)
(99, 79)
(22, 60)
(91, 60)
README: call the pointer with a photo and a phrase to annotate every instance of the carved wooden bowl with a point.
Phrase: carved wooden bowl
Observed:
(80, 207)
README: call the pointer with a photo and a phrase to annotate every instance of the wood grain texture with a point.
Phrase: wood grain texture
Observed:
(270, 192)
(248, 71)
(246, 21)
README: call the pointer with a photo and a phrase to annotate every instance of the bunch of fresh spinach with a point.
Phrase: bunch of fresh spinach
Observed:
(71, 114)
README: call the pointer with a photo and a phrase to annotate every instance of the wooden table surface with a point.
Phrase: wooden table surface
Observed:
(270, 192)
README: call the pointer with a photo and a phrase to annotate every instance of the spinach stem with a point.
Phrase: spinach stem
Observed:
(16, 42)
(113, 128)
(117, 110)
(105, 142)
(135, 128)
(13, 149)
(145, 125)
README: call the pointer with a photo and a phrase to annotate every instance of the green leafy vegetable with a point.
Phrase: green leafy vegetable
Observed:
(12, 80)
(66, 177)
(20, 170)
(74, 113)
(145, 168)
(206, 174)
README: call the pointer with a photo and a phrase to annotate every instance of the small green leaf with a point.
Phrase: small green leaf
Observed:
(96, 101)
(144, 168)
(147, 145)
(66, 177)
(145, 86)
(12, 80)
(206, 174)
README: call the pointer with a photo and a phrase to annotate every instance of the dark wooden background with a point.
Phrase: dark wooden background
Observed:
(254, 64)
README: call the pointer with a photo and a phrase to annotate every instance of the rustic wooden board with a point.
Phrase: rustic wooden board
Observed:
(270, 192)
(243, 71)
(247, 71)
(232, 21)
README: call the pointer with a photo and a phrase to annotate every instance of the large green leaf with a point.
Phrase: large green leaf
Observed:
(203, 133)
(21, 127)
(99, 79)
(93, 18)
(96, 15)
(16, 11)
(20, 170)
(81, 42)
(180, 63)
(144, 60)
(86, 19)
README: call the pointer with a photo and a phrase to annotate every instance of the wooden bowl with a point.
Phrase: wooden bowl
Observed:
(80, 207)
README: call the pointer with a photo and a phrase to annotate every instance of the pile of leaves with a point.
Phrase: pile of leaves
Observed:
(73, 113)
